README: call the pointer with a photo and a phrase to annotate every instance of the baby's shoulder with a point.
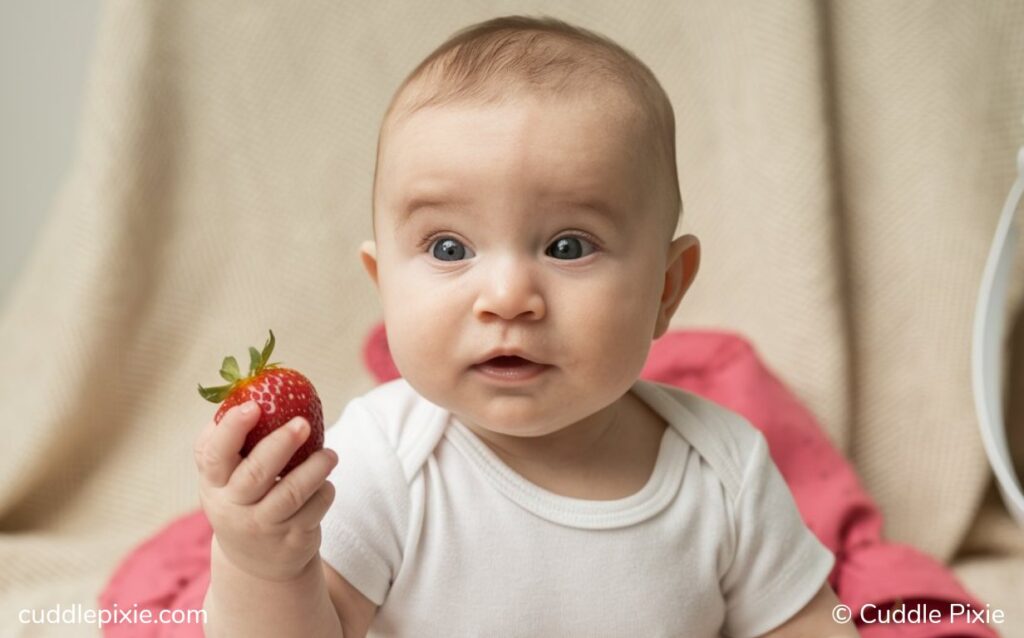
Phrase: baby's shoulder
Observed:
(394, 416)
(723, 438)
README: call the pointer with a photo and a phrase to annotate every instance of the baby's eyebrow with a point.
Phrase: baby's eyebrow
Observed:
(420, 202)
(598, 206)
(593, 205)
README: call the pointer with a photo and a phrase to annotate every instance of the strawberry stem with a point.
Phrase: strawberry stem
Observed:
(230, 372)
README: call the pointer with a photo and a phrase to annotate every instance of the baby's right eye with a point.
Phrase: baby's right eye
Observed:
(449, 249)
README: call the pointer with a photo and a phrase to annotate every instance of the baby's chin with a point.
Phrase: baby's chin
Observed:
(520, 417)
(517, 430)
(531, 410)
(500, 415)
(471, 393)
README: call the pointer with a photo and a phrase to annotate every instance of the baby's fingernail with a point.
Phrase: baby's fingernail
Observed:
(249, 407)
(298, 424)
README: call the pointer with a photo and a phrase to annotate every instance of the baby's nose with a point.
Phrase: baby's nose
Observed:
(511, 292)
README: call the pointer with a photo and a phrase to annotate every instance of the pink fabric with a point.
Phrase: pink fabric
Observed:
(171, 569)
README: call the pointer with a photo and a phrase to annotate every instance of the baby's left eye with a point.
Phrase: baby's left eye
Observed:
(569, 247)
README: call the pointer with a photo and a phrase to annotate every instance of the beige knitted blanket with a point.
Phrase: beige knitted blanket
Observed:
(843, 163)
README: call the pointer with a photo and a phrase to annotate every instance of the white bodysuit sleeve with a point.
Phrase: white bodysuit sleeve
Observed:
(363, 532)
(778, 563)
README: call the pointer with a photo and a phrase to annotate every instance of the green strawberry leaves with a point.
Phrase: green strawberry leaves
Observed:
(230, 372)
(229, 369)
(258, 360)
(216, 395)
(255, 358)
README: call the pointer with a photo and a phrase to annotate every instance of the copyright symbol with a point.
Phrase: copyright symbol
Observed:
(841, 614)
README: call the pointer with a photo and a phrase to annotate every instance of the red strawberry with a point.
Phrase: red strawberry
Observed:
(282, 394)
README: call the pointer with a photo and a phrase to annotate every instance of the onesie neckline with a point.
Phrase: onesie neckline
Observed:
(654, 496)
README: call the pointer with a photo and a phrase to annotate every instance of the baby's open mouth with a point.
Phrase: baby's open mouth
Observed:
(506, 361)
(510, 369)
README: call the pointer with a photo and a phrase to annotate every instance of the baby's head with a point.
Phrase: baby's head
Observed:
(525, 197)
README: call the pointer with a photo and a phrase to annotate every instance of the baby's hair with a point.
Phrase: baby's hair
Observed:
(497, 60)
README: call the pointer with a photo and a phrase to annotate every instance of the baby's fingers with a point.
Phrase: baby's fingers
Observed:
(217, 450)
(309, 515)
(256, 474)
(294, 490)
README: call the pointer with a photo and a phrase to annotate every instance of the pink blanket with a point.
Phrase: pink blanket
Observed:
(171, 570)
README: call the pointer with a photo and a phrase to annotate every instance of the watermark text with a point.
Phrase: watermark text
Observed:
(76, 614)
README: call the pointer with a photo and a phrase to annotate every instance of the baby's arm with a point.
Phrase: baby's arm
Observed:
(266, 577)
(355, 610)
(238, 604)
(815, 619)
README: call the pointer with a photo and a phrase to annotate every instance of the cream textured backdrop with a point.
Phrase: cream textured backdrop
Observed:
(843, 164)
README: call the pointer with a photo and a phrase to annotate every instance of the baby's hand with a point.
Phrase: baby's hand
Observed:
(266, 527)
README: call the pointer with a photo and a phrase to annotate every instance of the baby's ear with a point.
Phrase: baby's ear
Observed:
(368, 254)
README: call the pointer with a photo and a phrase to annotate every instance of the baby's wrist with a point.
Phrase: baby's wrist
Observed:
(243, 604)
(262, 570)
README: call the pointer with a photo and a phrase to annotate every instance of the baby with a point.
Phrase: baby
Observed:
(519, 479)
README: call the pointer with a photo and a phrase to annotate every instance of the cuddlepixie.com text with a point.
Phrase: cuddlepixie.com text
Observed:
(76, 614)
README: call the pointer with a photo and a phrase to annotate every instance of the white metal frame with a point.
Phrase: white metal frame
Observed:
(988, 349)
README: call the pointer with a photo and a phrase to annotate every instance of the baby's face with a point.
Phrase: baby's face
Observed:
(531, 226)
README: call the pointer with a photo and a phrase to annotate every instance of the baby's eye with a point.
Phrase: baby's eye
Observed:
(570, 247)
(449, 249)
(567, 247)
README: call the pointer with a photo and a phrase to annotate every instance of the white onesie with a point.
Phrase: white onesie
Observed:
(449, 541)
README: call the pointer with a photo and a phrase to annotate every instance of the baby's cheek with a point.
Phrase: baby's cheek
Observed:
(614, 309)
(420, 339)
(625, 329)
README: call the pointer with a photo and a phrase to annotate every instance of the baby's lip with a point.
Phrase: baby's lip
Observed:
(508, 352)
